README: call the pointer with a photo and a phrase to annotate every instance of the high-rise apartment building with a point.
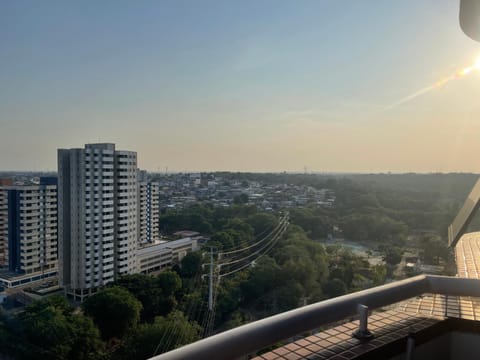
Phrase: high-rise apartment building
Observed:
(153, 213)
(3, 228)
(148, 210)
(28, 230)
(98, 231)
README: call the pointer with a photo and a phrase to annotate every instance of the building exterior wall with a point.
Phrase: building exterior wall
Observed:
(3, 228)
(155, 261)
(148, 212)
(155, 258)
(126, 211)
(142, 212)
(98, 216)
(64, 217)
(28, 227)
(153, 212)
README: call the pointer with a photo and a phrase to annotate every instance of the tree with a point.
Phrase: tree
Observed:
(191, 264)
(157, 294)
(143, 288)
(114, 310)
(222, 239)
(291, 275)
(198, 223)
(433, 249)
(164, 334)
(335, 287)
(169, 282)
(87, 343)
(48, 329)
(262, 223)
(393, 255)
(264, 277)
(373, 227)
(8, 337)
(289, 296)
(379, 274)
(316, 224)
(238, 318)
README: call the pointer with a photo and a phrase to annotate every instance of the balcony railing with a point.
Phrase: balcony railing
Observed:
(248, 339)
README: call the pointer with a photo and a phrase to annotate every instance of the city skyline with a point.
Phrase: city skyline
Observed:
(270, 86)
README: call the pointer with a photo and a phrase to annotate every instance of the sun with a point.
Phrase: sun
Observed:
(477, 64)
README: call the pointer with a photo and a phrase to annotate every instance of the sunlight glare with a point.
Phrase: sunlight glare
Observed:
(477, 64)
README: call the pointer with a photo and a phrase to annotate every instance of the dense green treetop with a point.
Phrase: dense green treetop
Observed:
(49, 329)
(164, 334)
(114, 310)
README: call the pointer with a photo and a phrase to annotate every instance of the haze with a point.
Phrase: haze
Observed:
(244, 86)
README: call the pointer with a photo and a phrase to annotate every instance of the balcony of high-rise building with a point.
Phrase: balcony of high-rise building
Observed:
(424, 317)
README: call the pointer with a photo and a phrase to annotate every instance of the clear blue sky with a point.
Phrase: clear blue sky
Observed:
(239, 85)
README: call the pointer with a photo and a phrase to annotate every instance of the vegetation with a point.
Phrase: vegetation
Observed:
(145, 340)
(49, 329)
(141, 315)
(156, 294)
(114, 310)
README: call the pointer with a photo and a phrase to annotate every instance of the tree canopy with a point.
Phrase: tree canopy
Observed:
(114, 310)
(48, 329)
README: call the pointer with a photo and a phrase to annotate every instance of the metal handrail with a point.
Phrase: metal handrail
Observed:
(257, 335)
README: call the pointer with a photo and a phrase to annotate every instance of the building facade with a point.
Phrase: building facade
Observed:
(97, 190)
(148, 211)
(158, 257)
(28, 230)
(3, 228)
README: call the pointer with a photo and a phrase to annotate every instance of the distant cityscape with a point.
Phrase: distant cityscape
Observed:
(180, 190)
(187, 255)
(98, 218)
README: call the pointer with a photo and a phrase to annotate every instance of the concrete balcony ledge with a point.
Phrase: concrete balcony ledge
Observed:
(250, 338)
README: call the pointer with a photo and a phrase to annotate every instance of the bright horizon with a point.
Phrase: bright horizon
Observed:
(267, 86)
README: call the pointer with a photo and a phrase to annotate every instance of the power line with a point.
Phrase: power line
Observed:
(209, 320)
(266, 240)
(240, 249)
(215, 276)
(168, 335)
(274, 237)
(211, 314)
(192, 306)
(274, 241)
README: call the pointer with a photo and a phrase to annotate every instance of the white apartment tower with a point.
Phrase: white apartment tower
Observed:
(28, 229)
(153, 206)
(148, 210)
(3, 228)
(97, 192)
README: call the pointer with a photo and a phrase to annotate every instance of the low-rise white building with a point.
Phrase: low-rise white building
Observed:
(163, 255)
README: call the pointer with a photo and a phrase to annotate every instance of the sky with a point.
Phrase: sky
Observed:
(247, 85)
